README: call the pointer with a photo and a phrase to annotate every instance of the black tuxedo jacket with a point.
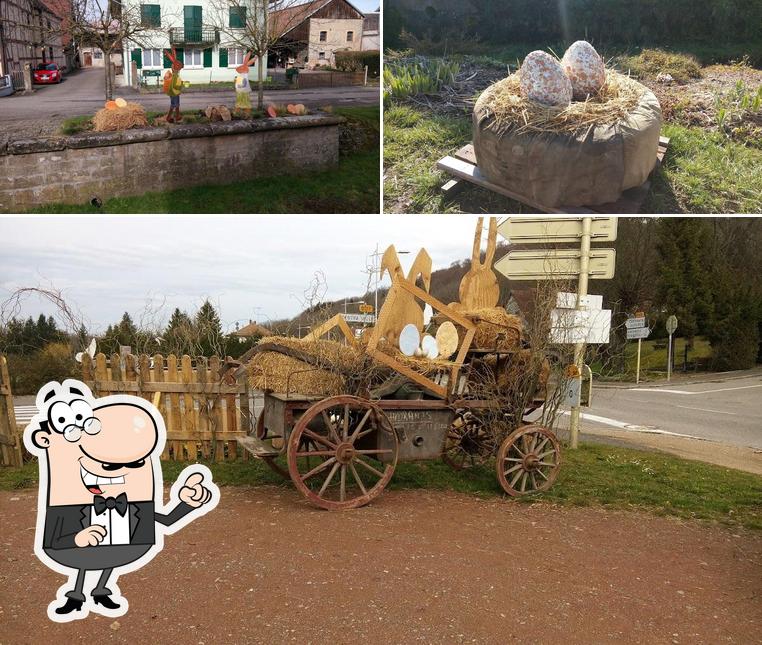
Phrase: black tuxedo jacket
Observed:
(62, 523)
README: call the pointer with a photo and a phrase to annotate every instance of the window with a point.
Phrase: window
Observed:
(193, 58)
(150, 15)
(152, 58)
(321, 55)
(235, 57)
(237, 18)
(97, 53)
(350, 36)
(323, 36)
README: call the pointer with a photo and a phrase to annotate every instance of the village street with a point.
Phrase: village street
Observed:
(82, 93)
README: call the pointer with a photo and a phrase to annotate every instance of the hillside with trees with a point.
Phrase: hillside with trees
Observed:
(706, 271)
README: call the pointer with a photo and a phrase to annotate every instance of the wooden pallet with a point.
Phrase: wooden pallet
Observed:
(462, 165)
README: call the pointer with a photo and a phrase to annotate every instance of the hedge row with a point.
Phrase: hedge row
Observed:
(352, 61)
(605, 22)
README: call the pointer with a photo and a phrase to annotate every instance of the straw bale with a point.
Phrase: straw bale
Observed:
(495, 328)
(132, 115)
(504, 101)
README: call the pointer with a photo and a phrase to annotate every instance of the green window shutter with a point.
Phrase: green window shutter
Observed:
(223, 57)
(237, 17)
(167, 62)
(150, 15)
(208, 57)
(137, 56)
(180, 54)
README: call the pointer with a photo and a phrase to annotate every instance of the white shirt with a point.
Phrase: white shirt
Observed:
(117, 526)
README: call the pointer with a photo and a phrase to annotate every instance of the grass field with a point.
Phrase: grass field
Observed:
(352, 188)
(705, 169)
(594, 475)
(653, 359)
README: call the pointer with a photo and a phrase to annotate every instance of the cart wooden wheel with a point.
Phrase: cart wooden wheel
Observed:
(528, 461)
(469, 442)
(342, 453)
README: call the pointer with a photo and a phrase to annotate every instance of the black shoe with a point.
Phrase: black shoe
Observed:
(105, 601)
(70, 606)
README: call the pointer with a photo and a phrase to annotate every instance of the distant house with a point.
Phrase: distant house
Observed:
(30, 32)
(312, 32)
(371, 35)
(201, 33)
(252, 330)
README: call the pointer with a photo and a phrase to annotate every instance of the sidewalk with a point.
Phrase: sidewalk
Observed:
(679, 378)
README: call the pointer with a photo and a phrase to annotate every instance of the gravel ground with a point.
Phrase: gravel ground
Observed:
(415, 567)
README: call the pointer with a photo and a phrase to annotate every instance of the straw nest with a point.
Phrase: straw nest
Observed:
(495, 328)
(324, 373)
(504, 102)
(132, 115)
(421, 364)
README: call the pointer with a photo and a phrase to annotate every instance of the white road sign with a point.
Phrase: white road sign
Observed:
(671, 324)
(550, 264)
(635, 323)
(367, 319)
(555, 230)
(570, 326)
(569, 301)
(638, 333)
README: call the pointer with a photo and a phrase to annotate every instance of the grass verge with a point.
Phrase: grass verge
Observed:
(593, 475)
(704, 171)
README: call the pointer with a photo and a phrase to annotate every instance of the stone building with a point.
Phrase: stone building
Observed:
(312, 32)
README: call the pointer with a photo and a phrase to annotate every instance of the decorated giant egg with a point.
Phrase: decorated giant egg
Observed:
(543, 80)
(585, 69)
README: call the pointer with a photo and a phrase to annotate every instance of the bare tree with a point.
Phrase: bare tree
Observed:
(106, 24)
(258, 26)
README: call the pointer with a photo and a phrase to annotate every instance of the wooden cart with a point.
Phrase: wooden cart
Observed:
(341, 451)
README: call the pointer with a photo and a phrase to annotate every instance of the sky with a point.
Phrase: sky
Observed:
(249, 267)
(366, 5)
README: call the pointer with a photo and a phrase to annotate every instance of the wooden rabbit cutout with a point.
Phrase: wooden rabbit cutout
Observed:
(479, 288)
(405, 309)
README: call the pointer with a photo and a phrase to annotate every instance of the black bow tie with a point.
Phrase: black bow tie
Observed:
(119, 503)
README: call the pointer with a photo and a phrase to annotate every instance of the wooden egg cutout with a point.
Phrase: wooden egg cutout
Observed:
(430, 346)
(120, 102)
(410, 340)
(447, 339)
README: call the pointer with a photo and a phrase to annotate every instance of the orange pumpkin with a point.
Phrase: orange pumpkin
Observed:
(111, 105)
(271, 111)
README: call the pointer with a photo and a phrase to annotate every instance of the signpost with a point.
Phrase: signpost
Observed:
(555, 264)
(637, 330)
(366, 319)
(583, 264)
(671, 327)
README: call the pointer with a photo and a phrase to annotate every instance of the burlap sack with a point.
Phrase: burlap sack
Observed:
(593, 167)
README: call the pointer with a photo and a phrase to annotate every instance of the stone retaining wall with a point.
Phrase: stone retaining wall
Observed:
(75, 169)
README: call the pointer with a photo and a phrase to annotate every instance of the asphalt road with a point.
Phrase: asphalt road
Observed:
(728, 411)
(82, 93)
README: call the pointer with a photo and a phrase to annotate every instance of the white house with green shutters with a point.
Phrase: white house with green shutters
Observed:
(208, 51)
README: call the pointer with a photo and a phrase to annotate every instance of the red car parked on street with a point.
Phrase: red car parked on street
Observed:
(47, 73)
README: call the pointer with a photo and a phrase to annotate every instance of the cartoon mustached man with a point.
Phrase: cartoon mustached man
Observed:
(100, 499)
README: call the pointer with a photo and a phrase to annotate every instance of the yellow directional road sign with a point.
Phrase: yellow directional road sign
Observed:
(550, 264)
(555, 230)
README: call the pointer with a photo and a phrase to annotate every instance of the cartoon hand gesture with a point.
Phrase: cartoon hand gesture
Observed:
(193, 492)
(91, 536)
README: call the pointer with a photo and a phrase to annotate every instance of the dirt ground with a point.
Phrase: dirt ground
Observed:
(415, 567)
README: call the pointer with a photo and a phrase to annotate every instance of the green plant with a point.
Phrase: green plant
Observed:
(410, 77)
(736, 107)
(354, 61)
